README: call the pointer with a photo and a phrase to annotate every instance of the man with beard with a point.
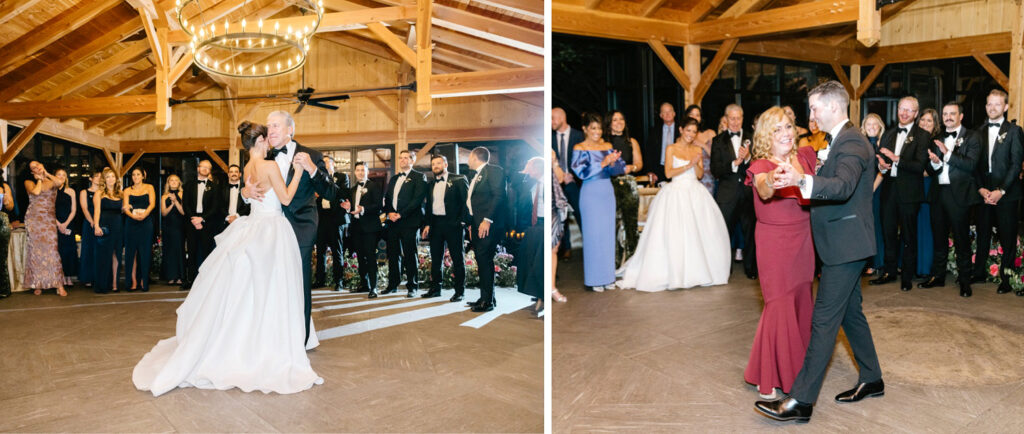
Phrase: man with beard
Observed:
(446, 212)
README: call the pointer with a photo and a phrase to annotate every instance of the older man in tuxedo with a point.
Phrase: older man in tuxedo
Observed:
(563, 138)
(902, 155)
(403, 203)
(999, 168)
(487, 209)
(203, 213)
(730, 158)
(365, 208)
(446, 216)
(953, 158)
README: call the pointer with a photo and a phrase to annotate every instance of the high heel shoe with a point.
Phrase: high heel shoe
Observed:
(557, 296)
(61, 292)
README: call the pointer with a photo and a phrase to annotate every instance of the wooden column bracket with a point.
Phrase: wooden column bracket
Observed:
(993, 70)
(424, 11)
(870, 79)
(385, 108)
(394, 42)
(709, 74)
(670, 62)
(216, 158)
(424, 150)
(19, 142)
(869, 23)
(112, 164)
(131, 162)
(841, 74)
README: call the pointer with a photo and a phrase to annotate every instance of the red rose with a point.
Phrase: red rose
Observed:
(993, 269)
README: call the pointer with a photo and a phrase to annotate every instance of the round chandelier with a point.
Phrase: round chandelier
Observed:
(248, 49)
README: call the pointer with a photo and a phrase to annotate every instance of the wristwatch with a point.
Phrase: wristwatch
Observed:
(801, 183)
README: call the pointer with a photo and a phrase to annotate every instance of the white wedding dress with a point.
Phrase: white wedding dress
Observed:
(241, 325)
(684, 242)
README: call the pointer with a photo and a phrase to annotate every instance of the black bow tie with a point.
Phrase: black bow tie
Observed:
(901, 131)
(734, 134)
(403, 174)
(273, 153)
(441, 180)
(828, 139)
(235, 186)
(950, 134)
(202, 181)
(362, 184)
(994, 124)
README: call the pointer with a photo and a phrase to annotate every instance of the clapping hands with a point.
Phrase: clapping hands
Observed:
(611, 158)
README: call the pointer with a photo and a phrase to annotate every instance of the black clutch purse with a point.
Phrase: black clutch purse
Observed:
(105, 229)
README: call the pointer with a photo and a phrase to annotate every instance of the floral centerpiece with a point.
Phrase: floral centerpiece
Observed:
(995, 256)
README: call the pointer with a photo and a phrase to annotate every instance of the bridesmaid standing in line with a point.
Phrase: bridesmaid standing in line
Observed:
(87, 264)
(66, 209)
(107, 215)
(595, 162)
(140, 199)
(5, 237)
(173, 233)
(42, 262)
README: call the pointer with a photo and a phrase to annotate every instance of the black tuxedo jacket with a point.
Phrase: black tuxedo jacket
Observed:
(575, 136)
(730, 184)
(652, 150)
(335, 215)
(301, 211)
(522, 203)
(242, 208)
(410, 199)
(213, 210)
(456, 188)
(961, 166)
(372, 202)
(909, 181)
(489, 197)
(1006, 160)
(841, 209)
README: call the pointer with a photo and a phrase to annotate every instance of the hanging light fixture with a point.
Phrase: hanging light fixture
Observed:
(243, 49)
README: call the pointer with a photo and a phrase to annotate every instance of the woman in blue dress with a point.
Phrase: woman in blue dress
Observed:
(595, 162)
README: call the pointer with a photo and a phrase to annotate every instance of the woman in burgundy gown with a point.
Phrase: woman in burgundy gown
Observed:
(785, 257)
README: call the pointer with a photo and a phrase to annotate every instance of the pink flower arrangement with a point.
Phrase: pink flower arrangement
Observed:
(1017, 262)
(993, 252)
(993, 269)
(1000, 250)
(497, 268)
(950, 242)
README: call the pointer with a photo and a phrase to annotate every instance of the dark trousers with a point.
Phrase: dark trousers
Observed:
(1005, 217)
(138, 246)
(947, 213)
(365, 246)
(307, 293)
(741, 210)
(838, 304)
(5, 240)
(483, 249)
(329, 238)
(401, 254)
(450, 234)
(572, 194)
(899, 219)
(200, 244)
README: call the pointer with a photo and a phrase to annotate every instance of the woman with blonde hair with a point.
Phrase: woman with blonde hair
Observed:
(785, 256)
(173, 231)
(107, 204)
(873, 128)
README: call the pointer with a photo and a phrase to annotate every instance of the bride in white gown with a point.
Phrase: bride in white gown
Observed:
(684, 242)
(241, 325)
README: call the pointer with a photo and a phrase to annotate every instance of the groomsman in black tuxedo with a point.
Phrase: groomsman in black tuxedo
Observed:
(999, 168)
(486, 216)
(403, 202)
(730, 158)
(952, 160)
(331, 229)
(365, 208)
(203, 219)
(563, 138)
(659, 138)
(233, 202)
(446, 215)
(902, 156)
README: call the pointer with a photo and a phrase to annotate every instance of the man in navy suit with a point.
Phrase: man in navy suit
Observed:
(563, 138)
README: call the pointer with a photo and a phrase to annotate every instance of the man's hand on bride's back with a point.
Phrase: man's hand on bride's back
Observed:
(253, 190)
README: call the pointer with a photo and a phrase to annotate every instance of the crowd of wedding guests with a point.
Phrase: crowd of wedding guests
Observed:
(935, 178)
(118, 226)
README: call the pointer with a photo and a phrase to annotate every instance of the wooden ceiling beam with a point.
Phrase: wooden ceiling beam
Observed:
(888, 13)
(78, 107)
(869, 23)
(19, 142)
(592, 4)
(52, 127)
(535, 99)
(702, 9)
(869, 80)
(650, 6)
(483, 46)
(424, 47)
(332, 22)
(121, 60)
(489, 28)
(12, 8)
(393, 42)
(576, 20)
(711, 72)
(530, 8)
(487, 82)
(371, 47)
(993, 70)
(798, 49)
(20, 50)
(843, 78)
(670, 63)
(469, 62)
(798, 17)
(743, 6)
(939, 49)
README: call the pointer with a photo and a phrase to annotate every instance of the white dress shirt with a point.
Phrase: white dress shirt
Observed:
(439, 189)
(950, 143)
(993, 134)
(402, 176)
(901, 139)
(808, 187)
(233, 200)
(359, 196)
(200, 189)
(735, 148)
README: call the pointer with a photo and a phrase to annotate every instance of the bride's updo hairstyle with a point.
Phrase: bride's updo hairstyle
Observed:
(250, 132)
(765, 130)
(685, 122)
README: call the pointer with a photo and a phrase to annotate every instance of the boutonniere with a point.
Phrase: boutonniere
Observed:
(1001, 138)
(207, 188)
(408, 179)
(449, 183)
(959, 140)
(362, 190)
(910, 139)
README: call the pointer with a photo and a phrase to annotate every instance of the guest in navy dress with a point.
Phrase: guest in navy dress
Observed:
(173, 233)
(140, 199)
(107, 204)
(66, 209)
(873, 127)
(595, 162)
(87, 262)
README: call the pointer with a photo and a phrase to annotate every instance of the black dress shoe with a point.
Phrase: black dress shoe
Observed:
(456, 298)
(932, 282)
(978, 279)
(785, 409)
(905, 286)
(486, 307)
(883, 279)
(863, 390)
(1019, 293)
(411, 294)
(1004, 288)
(752, 276)
(389, 291)
(431, 294)
(372, 294)
(476, 303)
(965, 290)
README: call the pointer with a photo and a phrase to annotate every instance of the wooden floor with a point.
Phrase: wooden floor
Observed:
(673, 361)
(66, 365)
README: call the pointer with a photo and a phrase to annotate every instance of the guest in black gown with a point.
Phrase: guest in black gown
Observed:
(87, 264)
(5, 238)
(627, 198)
(66, 209)
(140, 199)
(531, 212)
(173, 233)
(107, 215)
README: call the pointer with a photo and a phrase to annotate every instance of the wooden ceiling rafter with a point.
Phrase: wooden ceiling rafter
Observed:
(13, 8)
(20, 50)
(121, 60)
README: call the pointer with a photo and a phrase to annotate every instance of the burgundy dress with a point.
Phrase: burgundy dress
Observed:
(42, 261)
(785, 264)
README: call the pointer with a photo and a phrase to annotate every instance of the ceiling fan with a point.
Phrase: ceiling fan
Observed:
(305, 97)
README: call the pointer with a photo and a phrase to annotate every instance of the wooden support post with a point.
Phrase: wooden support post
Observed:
(424, 10)
(854, 97)
(691, 58)
(670, 62)
(424, 150)
(131, 162)
(163, 85)
(869, 23)
(111, 162)
(709, 74)
(993, 70)
(20, 140)
(216, 158)
(841, 75)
